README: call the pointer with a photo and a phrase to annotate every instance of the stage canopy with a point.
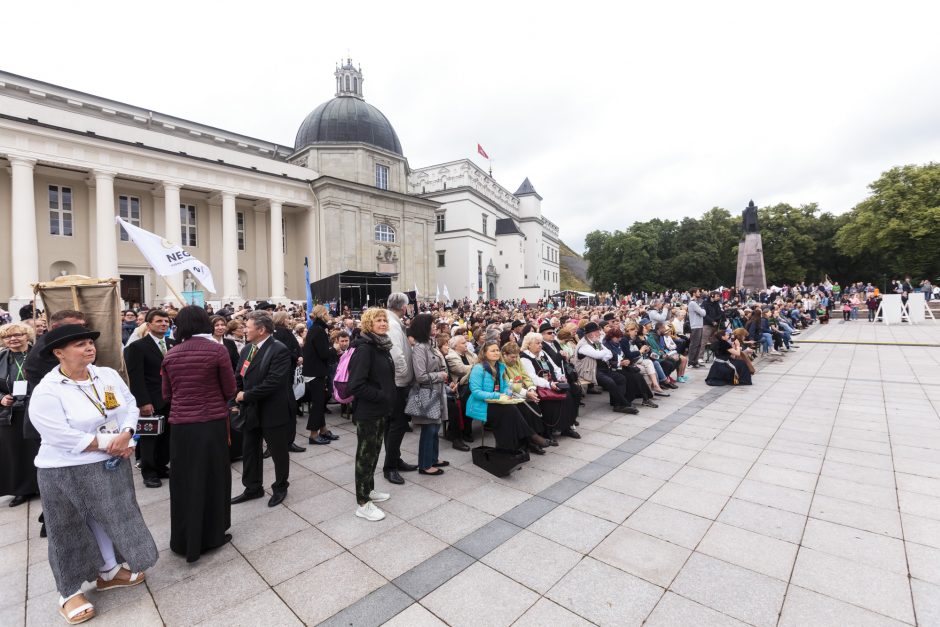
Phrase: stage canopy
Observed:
(353, 289)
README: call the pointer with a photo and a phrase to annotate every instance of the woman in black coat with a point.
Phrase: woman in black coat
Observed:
(284, 335)
(729, 368)
(316, 371)
(372, 383)
(17, 471)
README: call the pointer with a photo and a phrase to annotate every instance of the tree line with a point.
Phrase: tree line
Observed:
(893, 233)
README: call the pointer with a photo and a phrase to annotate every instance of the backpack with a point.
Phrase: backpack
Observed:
(341, 378)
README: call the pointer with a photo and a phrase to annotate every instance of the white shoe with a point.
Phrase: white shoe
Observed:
(370, 512)
(775, 352)
(378, 497)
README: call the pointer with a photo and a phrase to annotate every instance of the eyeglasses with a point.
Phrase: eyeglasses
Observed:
(10, 335)
(548, 333)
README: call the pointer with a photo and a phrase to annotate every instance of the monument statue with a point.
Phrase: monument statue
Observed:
(750, 218)
(751, 274)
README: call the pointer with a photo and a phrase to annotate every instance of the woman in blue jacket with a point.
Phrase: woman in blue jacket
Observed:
(488, 382)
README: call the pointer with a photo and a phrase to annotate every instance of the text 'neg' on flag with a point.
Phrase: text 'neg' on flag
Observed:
(165, 257)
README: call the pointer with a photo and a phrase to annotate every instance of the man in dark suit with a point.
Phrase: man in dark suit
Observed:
(264, 379)
(143, 359)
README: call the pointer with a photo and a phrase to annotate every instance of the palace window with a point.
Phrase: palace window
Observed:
(240, 229)
(440, 259)
(284, 235)
(485, 218)
(384, 233)
(129, 210)
(441, 223)
(60, 210)
(188, 236)
(381, 176)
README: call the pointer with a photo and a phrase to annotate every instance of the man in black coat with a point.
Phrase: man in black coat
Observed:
(264, 380)
(143, 359)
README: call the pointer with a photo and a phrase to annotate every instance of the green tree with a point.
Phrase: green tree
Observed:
(897, 228)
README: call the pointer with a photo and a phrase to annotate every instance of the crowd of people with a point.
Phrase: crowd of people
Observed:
(215, 387)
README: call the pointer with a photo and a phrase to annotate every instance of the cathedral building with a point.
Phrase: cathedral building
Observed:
(343, 197)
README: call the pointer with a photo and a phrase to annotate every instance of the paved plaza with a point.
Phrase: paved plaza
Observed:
(810, 498)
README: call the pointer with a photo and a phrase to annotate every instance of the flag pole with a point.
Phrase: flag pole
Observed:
(175, 293)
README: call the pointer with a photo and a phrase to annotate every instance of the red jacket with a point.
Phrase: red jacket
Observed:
(198, 381)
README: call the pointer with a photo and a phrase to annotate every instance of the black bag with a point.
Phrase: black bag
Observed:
(497, 461)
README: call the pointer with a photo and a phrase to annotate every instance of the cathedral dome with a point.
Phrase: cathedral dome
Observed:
(348, 118)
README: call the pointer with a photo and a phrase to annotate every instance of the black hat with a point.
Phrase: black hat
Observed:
(60, 336)
(264, 305)
(546, 326)
(608, 316)
(516, 323)
(591, 327)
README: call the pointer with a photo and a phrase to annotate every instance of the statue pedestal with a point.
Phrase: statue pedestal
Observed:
(751, 273)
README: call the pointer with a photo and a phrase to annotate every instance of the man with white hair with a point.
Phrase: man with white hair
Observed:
(397, 424)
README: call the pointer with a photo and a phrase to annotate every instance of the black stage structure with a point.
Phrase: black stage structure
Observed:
(353, 289)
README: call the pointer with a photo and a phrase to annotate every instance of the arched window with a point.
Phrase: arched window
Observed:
(384, 233)
(355, 84)
(347, 82)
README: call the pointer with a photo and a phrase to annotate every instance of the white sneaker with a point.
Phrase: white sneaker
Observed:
(378, 497)
(370, 512)
(775, 352)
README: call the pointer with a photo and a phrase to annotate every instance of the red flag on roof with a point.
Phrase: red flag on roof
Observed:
(482, 152)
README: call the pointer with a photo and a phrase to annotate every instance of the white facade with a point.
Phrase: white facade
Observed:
(250, 209)
(488, 242)
(343, 197)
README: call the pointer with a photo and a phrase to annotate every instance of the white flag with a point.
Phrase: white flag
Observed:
(166, 257)
(437, 297)
(417, 295)
(446, 294)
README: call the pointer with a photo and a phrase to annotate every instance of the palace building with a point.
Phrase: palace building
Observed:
(343, 197)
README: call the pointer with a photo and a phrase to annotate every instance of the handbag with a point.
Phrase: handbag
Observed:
(150, 425)
(299, 387)
(548, 394)
(424, 401)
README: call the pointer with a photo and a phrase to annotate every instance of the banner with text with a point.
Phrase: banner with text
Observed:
(166, 257)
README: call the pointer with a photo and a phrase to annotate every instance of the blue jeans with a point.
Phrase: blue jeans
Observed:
(427, 445)
(766, 341)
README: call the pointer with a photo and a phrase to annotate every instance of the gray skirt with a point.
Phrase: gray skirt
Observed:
(73, 494)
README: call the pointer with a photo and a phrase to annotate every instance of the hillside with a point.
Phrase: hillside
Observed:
(573, 270)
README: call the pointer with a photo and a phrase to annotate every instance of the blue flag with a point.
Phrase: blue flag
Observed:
(309, 293)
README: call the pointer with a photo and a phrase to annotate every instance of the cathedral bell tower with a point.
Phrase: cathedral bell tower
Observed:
(348, 80)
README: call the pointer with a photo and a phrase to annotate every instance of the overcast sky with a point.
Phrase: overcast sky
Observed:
(617, 112)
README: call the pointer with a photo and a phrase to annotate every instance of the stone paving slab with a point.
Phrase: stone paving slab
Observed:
(809, 498)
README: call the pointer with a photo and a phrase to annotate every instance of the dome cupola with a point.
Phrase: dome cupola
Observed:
(348, 118)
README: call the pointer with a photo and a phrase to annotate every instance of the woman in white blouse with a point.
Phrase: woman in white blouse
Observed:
(86, 416)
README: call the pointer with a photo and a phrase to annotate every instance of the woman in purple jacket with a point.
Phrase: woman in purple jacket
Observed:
(198, 383)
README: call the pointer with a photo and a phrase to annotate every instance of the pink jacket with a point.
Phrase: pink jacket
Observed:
(198, 381)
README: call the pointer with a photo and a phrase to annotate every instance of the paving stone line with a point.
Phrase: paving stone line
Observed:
(421, 580)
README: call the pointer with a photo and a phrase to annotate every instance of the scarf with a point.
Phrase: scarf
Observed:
(383, 342)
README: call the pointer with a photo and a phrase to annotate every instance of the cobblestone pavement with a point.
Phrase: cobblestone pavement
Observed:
(810, 498)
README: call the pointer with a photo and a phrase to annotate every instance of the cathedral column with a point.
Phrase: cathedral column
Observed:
(171, 232)
(229, 250)
(106, 263)
(277, 252)
(24, 243)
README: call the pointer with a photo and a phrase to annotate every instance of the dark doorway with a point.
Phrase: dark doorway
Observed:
(132, 289)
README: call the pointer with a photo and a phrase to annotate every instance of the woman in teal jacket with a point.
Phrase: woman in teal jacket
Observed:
(509, 427)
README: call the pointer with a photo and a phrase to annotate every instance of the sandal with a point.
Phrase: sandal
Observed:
(115, 582)
(81, 613)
